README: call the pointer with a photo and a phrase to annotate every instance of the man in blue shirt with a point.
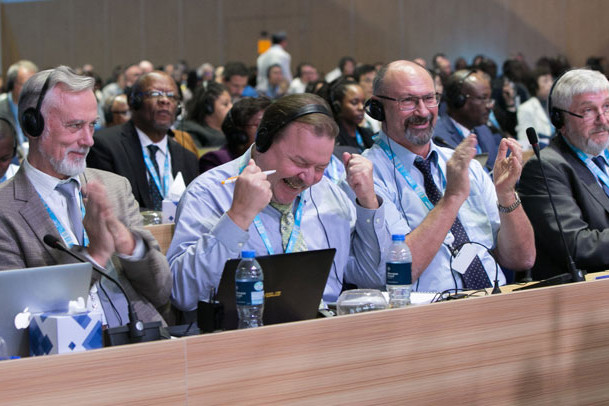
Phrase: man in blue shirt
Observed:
(441, 198)
(295, 208)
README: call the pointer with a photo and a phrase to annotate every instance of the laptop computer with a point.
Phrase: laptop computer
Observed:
(41, 289)
(293, 286)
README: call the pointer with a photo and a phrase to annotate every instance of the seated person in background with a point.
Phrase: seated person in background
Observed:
(142, 149)
(534, 112)
(46, 197)
(468, 99)
(575, 163)
(364, 76)
(205, 113)
(240, 125)
(234, 76)
(276, 86)
(8, 150)
(443, 199)
(216, 221)
(116, 110)
(346, 98)
(305, 73)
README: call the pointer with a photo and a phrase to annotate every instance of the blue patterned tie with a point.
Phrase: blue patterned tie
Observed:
(475, 276)
(155, 193)
(600, 162)
(68, 189)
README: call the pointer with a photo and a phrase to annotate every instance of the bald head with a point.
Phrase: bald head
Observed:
(407, 71)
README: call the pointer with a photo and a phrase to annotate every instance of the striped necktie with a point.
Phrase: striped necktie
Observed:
(286, 227)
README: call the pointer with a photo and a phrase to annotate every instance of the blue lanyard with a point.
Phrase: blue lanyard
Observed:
(155, 177)
(61, 229)
(334, 170)
(3, 178)
(262, 230)
(359, 140)
(478, 150)
(406, 174)
(600, 175)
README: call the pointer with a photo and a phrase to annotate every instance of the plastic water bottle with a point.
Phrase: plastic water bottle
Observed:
(249, 290)
(399, 272)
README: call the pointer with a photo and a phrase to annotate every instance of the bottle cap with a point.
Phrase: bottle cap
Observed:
(397, 237)
(248, 254)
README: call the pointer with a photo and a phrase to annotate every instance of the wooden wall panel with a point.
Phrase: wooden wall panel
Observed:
(110, 32)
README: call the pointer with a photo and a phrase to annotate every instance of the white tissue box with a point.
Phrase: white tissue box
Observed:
(169, 211)
(61, 333)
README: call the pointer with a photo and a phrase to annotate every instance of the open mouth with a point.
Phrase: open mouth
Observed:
(293, 183)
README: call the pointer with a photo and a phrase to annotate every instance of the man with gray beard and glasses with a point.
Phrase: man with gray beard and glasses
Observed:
(575, 163)
(92, 211)
(441, 198)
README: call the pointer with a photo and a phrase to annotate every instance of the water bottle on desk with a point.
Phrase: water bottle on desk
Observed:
(399, 273)
(249, 290)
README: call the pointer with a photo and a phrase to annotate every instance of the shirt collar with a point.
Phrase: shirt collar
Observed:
(145, 141)
(464, 131)
(43, 183)
(406, 156)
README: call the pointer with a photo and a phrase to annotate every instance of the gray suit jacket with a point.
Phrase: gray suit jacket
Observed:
(24, 222)
(581, 203)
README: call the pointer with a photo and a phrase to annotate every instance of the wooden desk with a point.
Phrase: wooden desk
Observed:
(543, 346)
(163, 233)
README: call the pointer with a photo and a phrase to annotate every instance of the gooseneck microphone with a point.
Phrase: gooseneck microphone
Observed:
(136, 326)
(574, 274)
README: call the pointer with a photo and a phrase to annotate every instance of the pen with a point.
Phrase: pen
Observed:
(602, 277)
(233, 179)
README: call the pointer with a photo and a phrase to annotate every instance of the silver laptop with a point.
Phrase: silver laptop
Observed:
(43, 289)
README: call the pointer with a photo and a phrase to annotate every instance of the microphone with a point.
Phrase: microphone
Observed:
(136, 326)
(574, 274)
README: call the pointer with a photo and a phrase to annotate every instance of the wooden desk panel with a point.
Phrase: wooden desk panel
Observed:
(544, 346)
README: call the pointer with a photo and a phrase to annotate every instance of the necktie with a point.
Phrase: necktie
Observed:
(155, 193)
(68, 189)
(286, 227)
(600, 162)
(475, 276)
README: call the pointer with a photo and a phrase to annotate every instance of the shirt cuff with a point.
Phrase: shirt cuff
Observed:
(230, 234)
(365, 216)
(138, 252)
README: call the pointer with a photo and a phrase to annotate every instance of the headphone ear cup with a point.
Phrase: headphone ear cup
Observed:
(209, 107)
(460, 101)
(556, 118)
(32, 122)
(135, 101)
(336, 107)
(374, 108)
(263, 140)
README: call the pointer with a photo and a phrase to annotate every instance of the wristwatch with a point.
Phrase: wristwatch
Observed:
(511, 207)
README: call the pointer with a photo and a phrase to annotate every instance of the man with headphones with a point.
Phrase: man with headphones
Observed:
(575, 163)
(16, 75)
(294, 209)
(441, 198)
(8, 150)
(92, 211)
(468, 98)
(142, 150)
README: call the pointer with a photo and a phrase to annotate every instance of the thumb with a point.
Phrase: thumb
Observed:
(346, 158)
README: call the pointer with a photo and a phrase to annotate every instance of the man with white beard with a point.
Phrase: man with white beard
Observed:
(575, 163)
(441, 198)
(92, 211)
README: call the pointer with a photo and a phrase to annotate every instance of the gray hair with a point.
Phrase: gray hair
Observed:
(575, 82)
(13, 71)
(62, 75)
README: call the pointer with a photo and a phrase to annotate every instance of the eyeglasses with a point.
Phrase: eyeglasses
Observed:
(155, 94)
(588, 113)
(411, 102)
(484, 100)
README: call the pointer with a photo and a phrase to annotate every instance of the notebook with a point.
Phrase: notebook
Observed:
(42, 289)
(293, 285)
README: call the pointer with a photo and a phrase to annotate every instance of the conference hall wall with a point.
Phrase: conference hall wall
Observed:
(110, 32)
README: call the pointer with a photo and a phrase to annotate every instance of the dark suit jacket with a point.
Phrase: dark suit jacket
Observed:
(344, 139)
(581, 204)
(24, 222)
(117, 149)
(5, 109)
(446, 134)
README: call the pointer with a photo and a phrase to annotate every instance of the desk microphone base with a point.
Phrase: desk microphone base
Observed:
(120, 335)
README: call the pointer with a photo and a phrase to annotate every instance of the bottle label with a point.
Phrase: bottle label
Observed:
(249, 293)
(399, 273)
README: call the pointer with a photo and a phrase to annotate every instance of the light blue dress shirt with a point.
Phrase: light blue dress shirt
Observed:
(205, 236)
(479, 213)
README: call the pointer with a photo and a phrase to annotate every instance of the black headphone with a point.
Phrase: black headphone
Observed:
(234, 135)
(12, 127)
(32, 121)
(374, 108)
(556, 116)
(454, 92)
(265, 135)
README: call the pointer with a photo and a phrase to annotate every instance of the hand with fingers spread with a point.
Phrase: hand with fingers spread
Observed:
(360, 179)
(252, 194)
